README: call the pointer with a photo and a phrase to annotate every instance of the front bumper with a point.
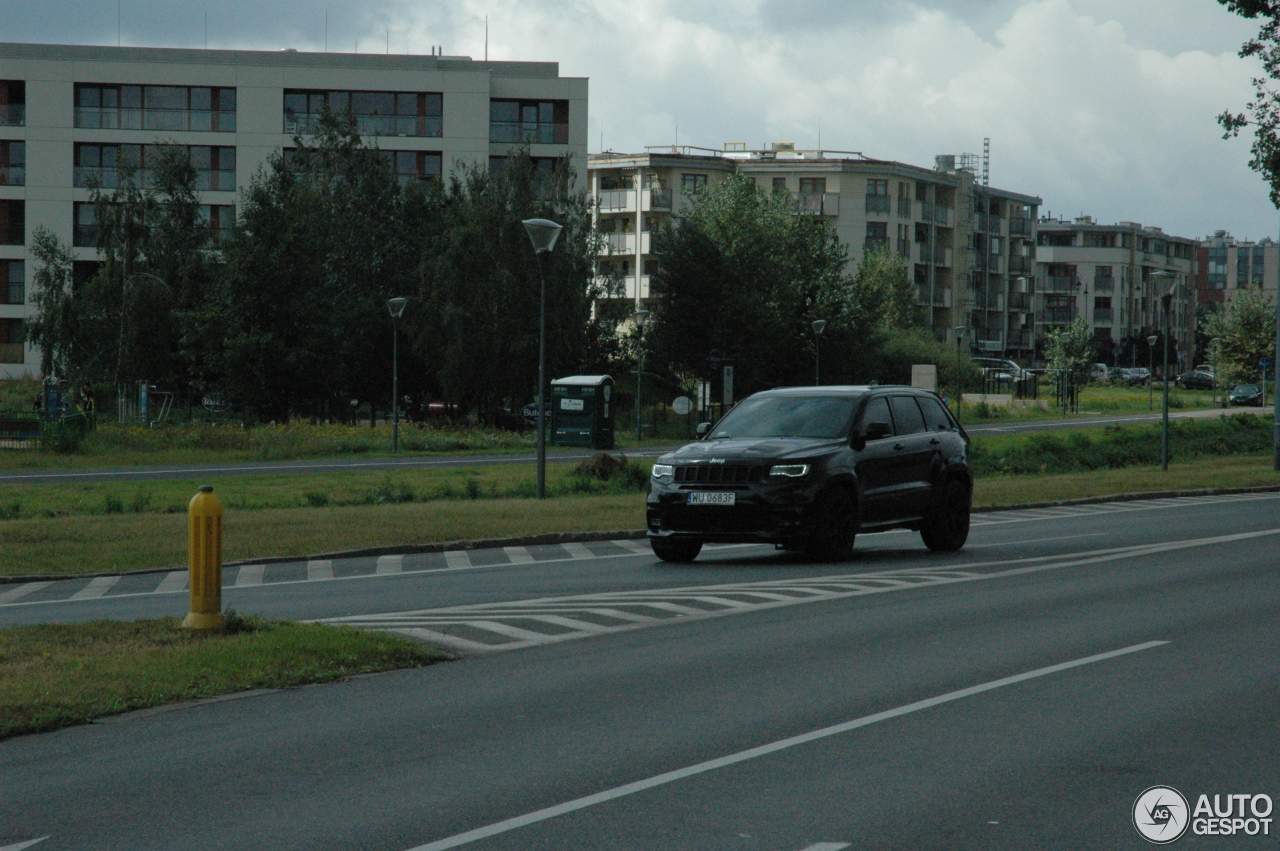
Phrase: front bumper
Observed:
(777, 515)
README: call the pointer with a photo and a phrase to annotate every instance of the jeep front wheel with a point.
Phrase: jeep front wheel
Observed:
(835, 524)
(946, 523)
(675, 549)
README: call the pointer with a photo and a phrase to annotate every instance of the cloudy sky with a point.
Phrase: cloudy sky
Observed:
(1101, 107)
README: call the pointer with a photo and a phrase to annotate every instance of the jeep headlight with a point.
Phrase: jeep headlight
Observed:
(663, 472)
(789, 471)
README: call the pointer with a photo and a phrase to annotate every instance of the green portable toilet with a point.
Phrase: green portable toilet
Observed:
(582, 411)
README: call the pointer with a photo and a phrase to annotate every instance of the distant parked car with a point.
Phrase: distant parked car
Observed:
(1116, 374)
(1246, 394)
(1001, 369)
(1098, 372)
(1137, 375)
(1036, 367)
(1196, 380)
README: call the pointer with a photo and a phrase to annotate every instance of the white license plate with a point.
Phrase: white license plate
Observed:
(712, 498)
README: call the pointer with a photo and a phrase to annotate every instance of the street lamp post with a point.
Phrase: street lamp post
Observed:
(1166, 303)
(959, 329)
(641, 316)
(1151, 372)
(395, 307)
(1213, 351)
(818, 326)
(543, 233)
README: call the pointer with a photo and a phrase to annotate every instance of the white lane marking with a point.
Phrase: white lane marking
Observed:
(518, 555)
(457, 560)
(250, 574)
(97, 586)
(1035, 541)
(173, 583)
(571, 623)
(21, 591)
(765, 750)
(634, 546)
(319, 569)
(826, 846)
(622, 616)
(442, 638)
(21, 845)
(506, 629)
(578, 551)
(388, 565)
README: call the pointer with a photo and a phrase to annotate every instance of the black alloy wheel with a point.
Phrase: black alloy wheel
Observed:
(678, 550)
(946, 523)
(834, 528)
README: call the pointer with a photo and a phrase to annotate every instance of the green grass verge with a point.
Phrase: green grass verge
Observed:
(57, 675)
(1095, 399)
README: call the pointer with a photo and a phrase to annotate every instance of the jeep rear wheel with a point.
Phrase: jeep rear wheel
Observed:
(675, 549)
(946, 523)
(835, 524)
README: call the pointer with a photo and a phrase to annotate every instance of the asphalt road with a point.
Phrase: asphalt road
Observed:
(412, 462)
(1019, 694)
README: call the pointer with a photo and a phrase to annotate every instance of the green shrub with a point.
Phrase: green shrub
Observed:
(316, 499)
(111, 504)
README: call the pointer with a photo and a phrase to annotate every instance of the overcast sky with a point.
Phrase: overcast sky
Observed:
(1101, 107)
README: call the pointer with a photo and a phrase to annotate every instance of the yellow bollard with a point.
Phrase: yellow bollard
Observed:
(204, 559)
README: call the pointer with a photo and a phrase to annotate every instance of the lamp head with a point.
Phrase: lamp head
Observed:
(543, 233)
(1151, 341)
(395, 306)
(818, 325)
(641, 316)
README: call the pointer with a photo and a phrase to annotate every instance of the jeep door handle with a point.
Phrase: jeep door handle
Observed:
(899, 446)
(934, 441)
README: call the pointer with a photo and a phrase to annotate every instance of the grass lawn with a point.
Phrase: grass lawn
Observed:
(56, 675)
(1095, 399)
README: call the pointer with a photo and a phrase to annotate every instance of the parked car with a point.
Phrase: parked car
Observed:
(1036, 367)
(1098, 372)
(809, 467)
(1246, 394)
(1115, 374)
(1137, 375)
(1196, 380)
(1001, 369)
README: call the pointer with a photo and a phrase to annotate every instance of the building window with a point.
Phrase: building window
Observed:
(533, 122)
(543, 167)
(82, 272)
(1099, 240)
(878, 187)
(84, 232)
(420, 167)
(215, 165)
(13, 103)
(179, 108)
(813, 185)
(377, 113)
(779, 184)
(877, 236)
(13, 288)
(692, 183)
(13, 163)
(13, 223)
(11, 339)
(219, 218)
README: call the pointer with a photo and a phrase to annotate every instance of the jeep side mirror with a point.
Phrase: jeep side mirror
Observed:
(703, 428)
(877, 430)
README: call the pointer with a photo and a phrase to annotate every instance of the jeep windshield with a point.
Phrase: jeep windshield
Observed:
(814, 417)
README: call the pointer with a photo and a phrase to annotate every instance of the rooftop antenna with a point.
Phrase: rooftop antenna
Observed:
(206, 30)
(388, 41)
(486, 38)
(326, 30)
(117, 23)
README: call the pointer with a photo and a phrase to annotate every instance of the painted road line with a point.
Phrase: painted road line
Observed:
(457, 560)
(21, 845)
(319, 569)
(97, 586)
(622, 616)
(21, 591)
(634, 546)
(173, 583)
(578, 551)
(826, 846)
(518, 555)
(251, 574)
(1035, 541)
(507, 630)
(388, 565)
(571, 623)
(679, 774)
(443, 638)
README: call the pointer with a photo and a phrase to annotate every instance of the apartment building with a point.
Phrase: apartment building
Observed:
(69, 113)
(969, 247)
(1111, 276)
(1226, 266)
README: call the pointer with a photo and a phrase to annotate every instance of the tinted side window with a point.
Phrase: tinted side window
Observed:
(877, 411)
(935, 416)
(906, 415)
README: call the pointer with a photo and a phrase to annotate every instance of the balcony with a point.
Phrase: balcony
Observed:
(517, 132)
(1019, 265)
(216, 180)
(115, 118)
(658, 199)
(617, 200)
(878, 204)
(941, 214)
(13, 114)
(904, 248)
(1020, 339)
(989, 300)
(1020, 226)
(1056, 316)
(14, 175)
(941, 295)
(11, 353)
(827, 204)
(904, 207)
(875, 243)
(625, 243)
(1058, 284)
(1103, 315)
(429, 126)
(942, 256)
(1020, 302)
(1104, 285)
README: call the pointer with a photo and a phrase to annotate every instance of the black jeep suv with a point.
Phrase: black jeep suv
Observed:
(810, 467)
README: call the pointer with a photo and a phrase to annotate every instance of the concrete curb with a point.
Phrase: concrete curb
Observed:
(621, 534)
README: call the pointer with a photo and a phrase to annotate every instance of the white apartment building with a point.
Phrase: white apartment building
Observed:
(970, 248)
(1108, 275)
(67, 113)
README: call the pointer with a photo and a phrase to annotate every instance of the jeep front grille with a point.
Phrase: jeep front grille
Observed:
(719, 474)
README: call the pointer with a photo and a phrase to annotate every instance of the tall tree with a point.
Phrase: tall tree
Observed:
(1246, 332)
(1263, 112)
(53, 329)
(480, 287)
